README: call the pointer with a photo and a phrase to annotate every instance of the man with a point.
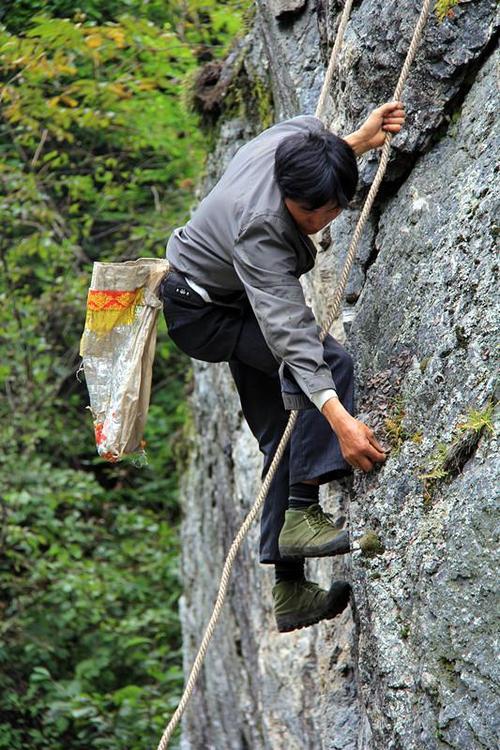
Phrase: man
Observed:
(234, 295)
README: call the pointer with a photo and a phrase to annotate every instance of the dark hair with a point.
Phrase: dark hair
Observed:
(315, 168)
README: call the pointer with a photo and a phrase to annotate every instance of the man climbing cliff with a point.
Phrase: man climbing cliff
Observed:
(234, 295)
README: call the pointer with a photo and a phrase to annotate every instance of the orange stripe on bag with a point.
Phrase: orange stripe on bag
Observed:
(107, 309)
(100, 438)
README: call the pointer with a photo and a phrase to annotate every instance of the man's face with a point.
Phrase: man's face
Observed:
(312, 220)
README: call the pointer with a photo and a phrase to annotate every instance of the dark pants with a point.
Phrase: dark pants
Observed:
(227, 330)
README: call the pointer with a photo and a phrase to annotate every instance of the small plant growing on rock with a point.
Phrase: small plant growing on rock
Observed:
(404, 632)
(443, 9)
(394, 427)
(423, 364)
(371, 545)
(448, 460)
(438, 461)
(479, 420)
(438, 471)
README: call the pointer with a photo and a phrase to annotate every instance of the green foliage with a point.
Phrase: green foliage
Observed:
(98, 159)
(203, 24)
(90, 642)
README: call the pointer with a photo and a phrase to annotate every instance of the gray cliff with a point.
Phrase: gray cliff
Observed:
(412, 664)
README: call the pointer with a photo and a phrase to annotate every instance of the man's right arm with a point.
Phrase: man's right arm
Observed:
(358, 443)
(266, 269)
(266, 266)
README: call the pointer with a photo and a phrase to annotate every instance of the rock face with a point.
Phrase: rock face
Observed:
(413, 666)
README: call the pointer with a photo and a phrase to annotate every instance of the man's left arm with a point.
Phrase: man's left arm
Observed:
(388, 118)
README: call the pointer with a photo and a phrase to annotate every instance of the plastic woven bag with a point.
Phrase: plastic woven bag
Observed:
(117, 348)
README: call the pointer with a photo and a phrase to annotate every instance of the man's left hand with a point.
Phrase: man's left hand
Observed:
(388, 118)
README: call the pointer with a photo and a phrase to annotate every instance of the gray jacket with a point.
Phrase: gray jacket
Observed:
(242, 236)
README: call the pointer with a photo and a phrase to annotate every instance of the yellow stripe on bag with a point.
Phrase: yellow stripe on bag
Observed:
(109, 308)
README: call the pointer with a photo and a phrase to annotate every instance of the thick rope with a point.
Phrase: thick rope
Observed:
(339, 38)
(331, 315)
(384, 158)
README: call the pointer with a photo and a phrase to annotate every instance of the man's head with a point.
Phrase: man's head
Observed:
(317, 174)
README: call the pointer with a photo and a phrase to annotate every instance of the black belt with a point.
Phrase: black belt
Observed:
(222, 298)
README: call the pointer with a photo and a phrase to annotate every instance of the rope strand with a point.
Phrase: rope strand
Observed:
(339, 38)
(330, 317)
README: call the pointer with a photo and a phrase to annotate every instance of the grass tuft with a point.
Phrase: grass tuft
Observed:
(449, 459)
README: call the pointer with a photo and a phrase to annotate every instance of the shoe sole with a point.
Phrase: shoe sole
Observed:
(338, 546)
(287, 623)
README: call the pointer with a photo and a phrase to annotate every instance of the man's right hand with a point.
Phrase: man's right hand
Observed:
(358, 443)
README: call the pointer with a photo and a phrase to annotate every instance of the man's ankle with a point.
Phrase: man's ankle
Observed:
(302, 495)
(289, 570)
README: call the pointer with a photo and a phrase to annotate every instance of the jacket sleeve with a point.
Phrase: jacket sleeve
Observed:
(266, 266)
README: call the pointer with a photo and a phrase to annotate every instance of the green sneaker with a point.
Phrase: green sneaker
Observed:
(298, 604)
(311, 533)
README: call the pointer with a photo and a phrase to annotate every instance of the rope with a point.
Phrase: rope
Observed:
(339, 38)
(331, 315)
